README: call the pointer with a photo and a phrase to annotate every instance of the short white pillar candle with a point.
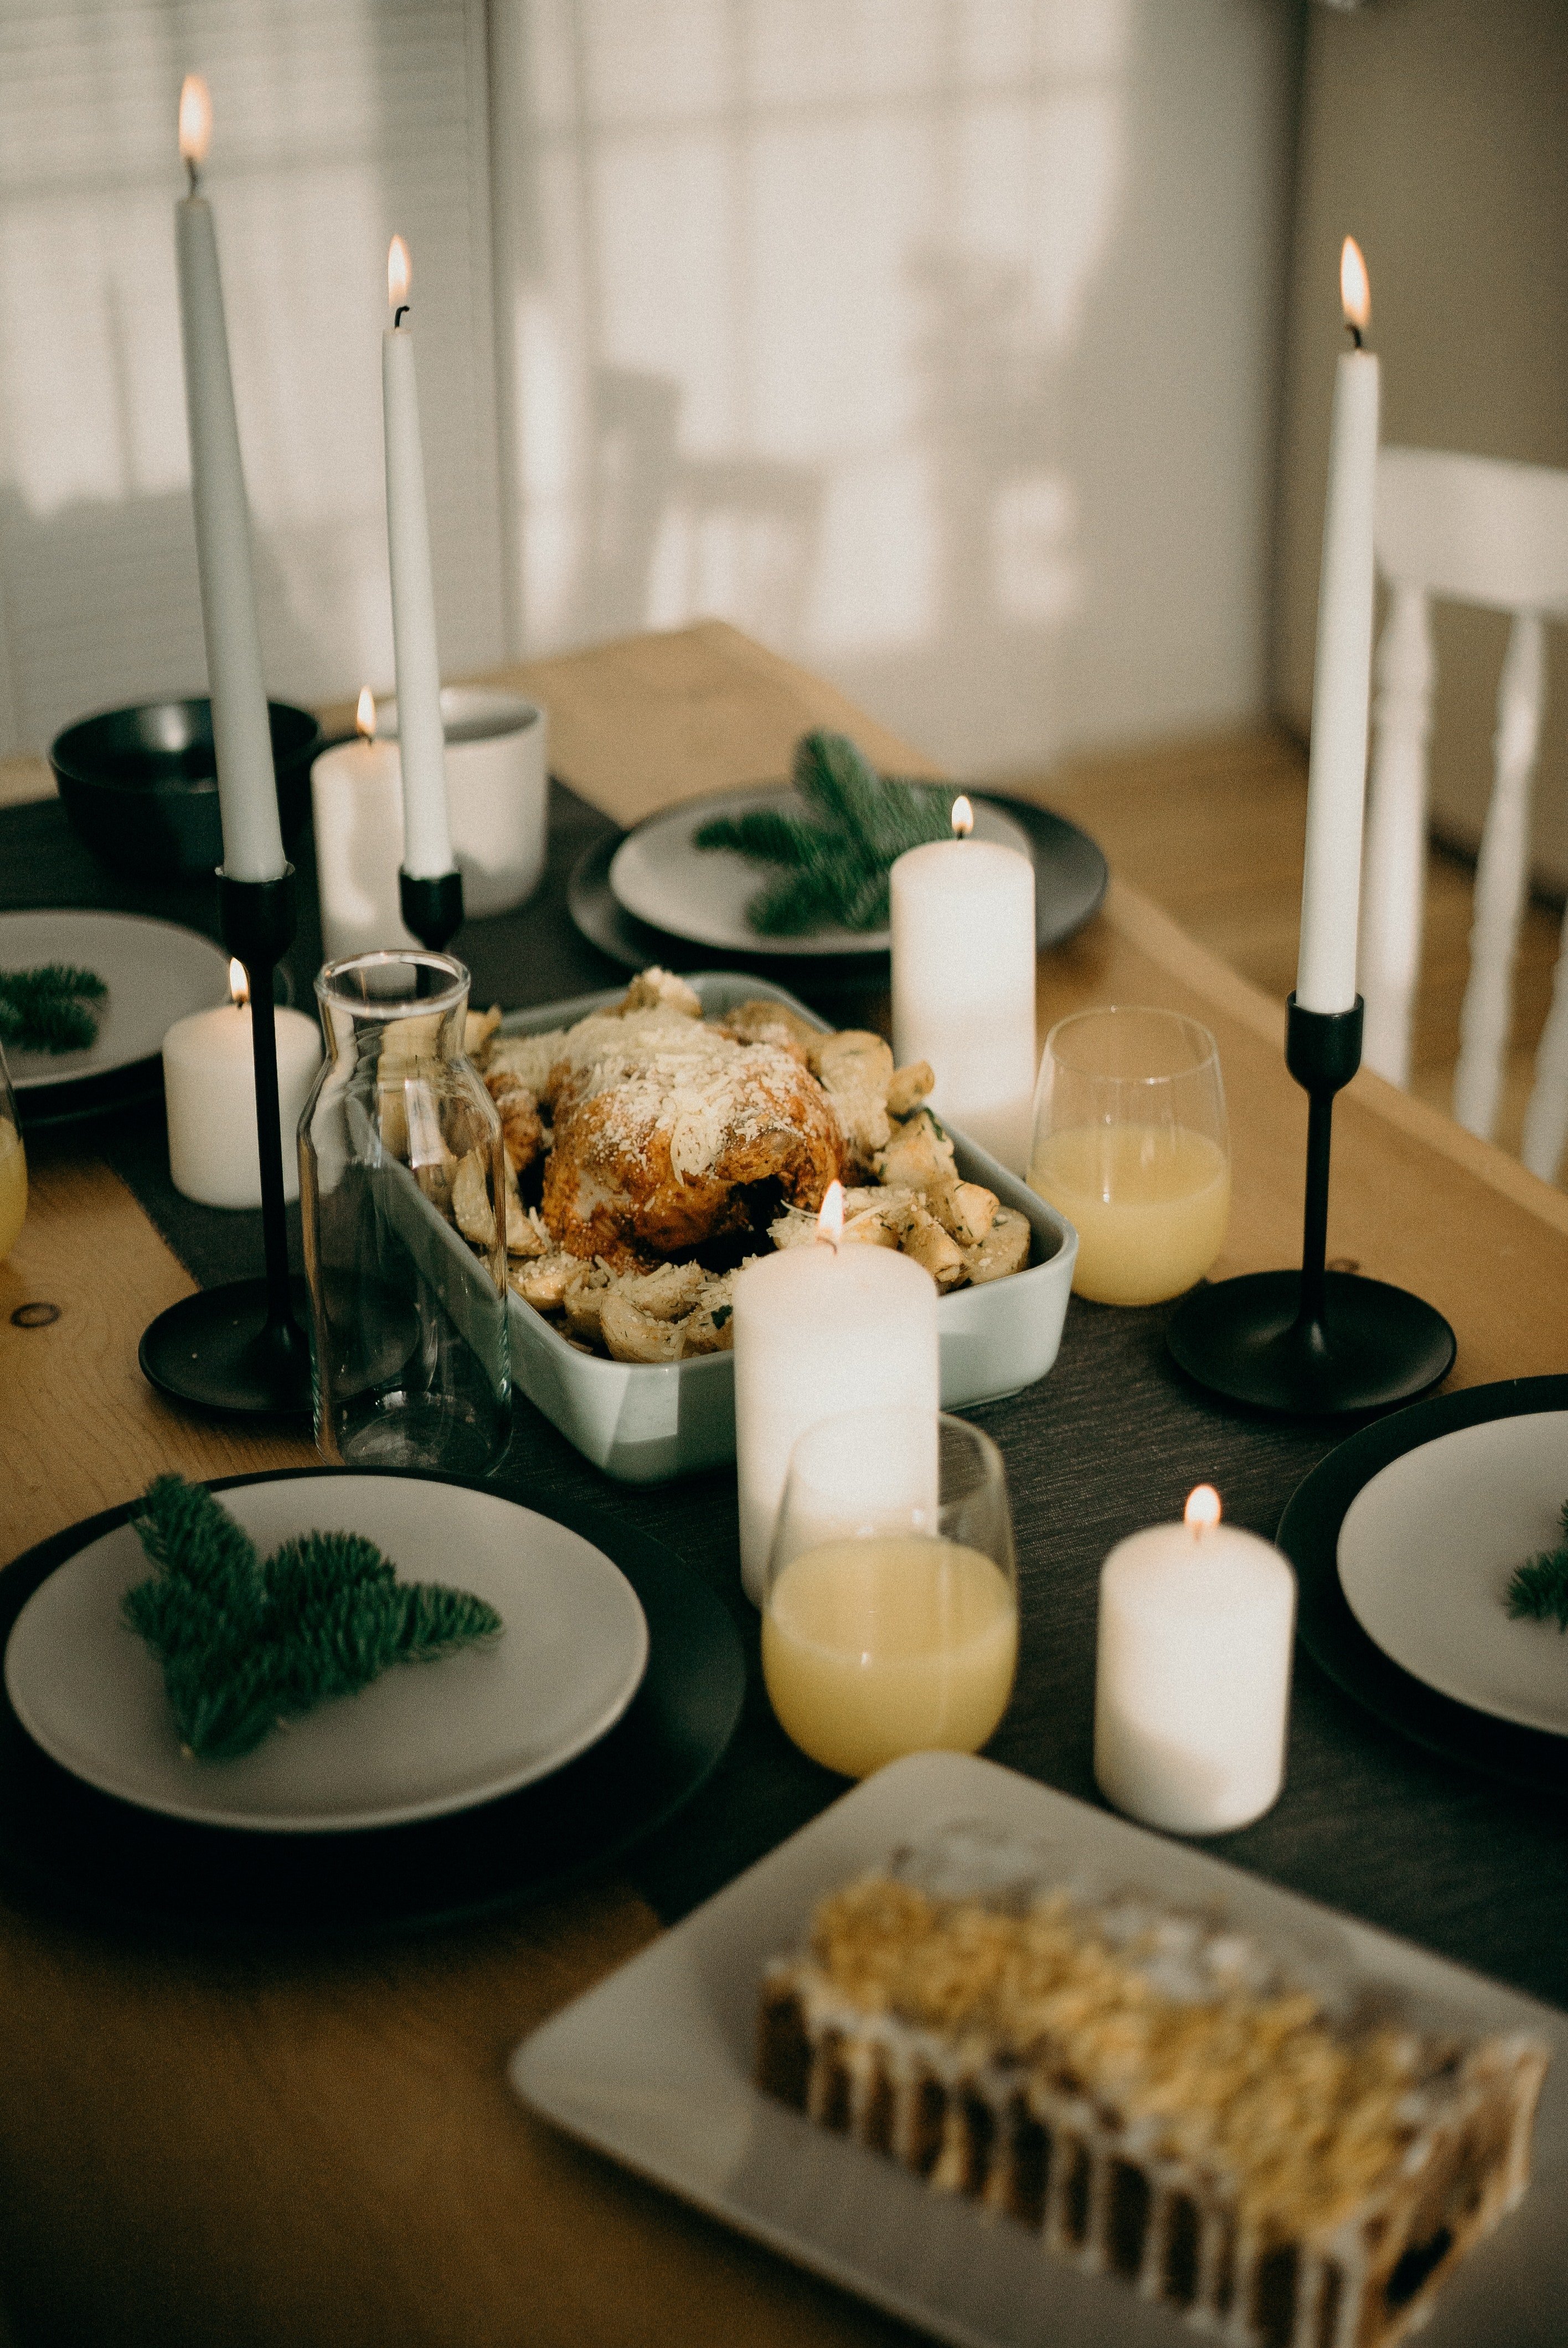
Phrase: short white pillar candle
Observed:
(1192, 1676)
(356, 799)
(962, 913)
(209, 1090)
(820, 1331)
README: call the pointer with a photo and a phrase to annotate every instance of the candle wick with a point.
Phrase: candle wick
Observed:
(399, 314)
(192, 174)
(1355, 332)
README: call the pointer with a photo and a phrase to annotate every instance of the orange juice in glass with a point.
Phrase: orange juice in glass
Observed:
(1131, 1144)
(890, 1620)
(13, 1166)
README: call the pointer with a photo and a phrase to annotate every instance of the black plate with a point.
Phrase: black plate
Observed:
(1070, 877)
(73, 1846)
(1309, 1536)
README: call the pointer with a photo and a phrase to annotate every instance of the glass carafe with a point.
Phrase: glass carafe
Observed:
(403, 1180)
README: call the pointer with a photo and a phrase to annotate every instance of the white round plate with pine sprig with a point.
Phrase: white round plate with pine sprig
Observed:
(425, 1740)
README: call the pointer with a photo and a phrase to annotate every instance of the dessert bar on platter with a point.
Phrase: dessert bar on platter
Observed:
(1290, 2157)
(1232, 2110)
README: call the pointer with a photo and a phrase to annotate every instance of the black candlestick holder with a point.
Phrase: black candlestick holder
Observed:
(1314, 1342)
(240, 1348)
(432, 909)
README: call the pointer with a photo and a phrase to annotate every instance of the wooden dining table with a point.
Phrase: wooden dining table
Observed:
(304, 2145)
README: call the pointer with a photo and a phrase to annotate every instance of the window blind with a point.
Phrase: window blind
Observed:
(336, 122)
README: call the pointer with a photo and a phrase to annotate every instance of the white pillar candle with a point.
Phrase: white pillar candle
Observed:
(1193, 1672)
(820, 1331)
(1337, 784)
(247, 787)
(209, 1090)
(356, 797)
(963, 983)
(428, 841)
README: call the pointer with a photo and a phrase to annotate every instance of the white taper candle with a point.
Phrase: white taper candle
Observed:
(1331, 880)
(247, 787)
(422, 742)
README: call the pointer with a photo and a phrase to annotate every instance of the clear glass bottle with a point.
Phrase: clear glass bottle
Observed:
(403, 1181)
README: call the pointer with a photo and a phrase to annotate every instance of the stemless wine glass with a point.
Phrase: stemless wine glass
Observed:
(13, 1165)
(403, 1197)
(1131, 1144)
(890, 1619)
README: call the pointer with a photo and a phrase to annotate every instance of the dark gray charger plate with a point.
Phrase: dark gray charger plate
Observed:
(1070, 877)
(62, 1840)
(1309, 1536)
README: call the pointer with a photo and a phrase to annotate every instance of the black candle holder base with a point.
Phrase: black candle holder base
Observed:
(1313, 1342)
(240, 1348)
(1373, 1346)
(222, 1350)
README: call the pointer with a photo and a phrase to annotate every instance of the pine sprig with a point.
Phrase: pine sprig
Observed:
(1539, 1590)
(245, 1644)
(833, 862)
(46, 1009)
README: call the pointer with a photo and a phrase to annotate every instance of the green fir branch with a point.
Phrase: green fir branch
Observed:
(1539, 1590)
(831, 868)
(245, 1645)
(45, 1010)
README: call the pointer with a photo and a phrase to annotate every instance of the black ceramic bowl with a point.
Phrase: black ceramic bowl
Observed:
(140, 785)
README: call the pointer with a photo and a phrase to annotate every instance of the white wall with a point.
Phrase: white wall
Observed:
(934, 341)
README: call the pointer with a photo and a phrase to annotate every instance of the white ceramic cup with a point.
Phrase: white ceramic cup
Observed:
(497, 786)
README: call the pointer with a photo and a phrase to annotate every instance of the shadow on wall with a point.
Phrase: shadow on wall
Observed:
(121, 577)
(670, 535)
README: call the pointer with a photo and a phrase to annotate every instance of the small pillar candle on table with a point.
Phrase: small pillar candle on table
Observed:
(209, 1090)
(962, 915)
(820, 1331)
(1193, 1672)
(356, 797)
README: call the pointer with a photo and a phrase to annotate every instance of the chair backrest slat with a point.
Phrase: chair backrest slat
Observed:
(1480, 530)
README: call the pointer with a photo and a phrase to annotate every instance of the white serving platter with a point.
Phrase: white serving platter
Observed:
(425, 1739)
(661, 875)
(644, 1423)
(653, 2068)
(1426, 1551)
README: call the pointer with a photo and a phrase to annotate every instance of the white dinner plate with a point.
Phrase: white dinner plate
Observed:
(654, 2065)
(155, 972)
(661, 875)
(1427, 1549)
(424, 1740)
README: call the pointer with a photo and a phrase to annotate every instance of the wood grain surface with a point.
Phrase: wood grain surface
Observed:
(197, 2150)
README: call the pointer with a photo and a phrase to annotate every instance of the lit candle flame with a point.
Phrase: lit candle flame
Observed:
(1201, 1511)
(963, 818)
(195, 120)
(830, 1222)
(399, 273)
(365, 715)
(1355, 288)
(239, 984)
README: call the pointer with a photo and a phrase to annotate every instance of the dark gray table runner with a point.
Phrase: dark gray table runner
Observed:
(1111, 1440)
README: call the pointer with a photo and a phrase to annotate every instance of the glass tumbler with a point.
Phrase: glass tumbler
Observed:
(1131, 1144)
(403, 1180)
(13, 1165)
(890, 1617)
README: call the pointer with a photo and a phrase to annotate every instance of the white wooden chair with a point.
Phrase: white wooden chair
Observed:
(1475, 531)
